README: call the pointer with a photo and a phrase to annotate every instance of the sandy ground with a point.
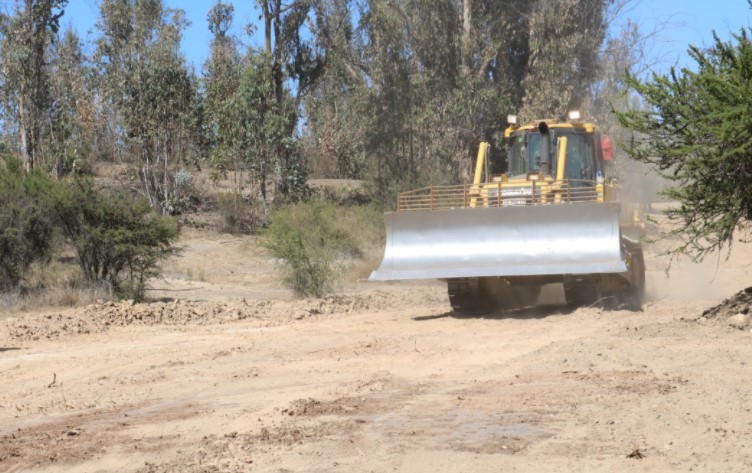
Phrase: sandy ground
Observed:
(228, 373)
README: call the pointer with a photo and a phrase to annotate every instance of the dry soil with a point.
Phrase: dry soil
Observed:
(227, 372)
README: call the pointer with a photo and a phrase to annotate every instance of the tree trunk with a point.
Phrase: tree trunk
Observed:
(466, 31)
(272, 11)
(28, 162)
(24, 113)
(267, 26)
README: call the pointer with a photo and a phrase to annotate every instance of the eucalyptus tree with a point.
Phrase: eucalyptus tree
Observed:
(72, 125)
(26, 36)
(292, 66)
(335, 107)
(151, 93)
(221, 78)
(565, 39)
(252, 100)
(261, 125)
(424, 81)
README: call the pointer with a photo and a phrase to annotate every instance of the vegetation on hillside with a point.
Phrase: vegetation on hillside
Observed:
(26, 222)
(117, 241)
(314, 240)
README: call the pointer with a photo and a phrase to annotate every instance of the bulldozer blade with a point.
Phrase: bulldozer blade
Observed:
(578, 238)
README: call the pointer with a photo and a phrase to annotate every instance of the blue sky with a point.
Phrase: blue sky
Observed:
(677, 23)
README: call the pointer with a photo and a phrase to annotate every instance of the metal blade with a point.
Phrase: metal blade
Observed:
(577, 238)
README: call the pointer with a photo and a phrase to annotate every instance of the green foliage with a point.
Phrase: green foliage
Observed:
(70, 137)
(240, 215)
(260, 131)
(117, 239)
(152, 93)
(306, 270)
(409, 91)
(313, 239)
(26, 225)
(696, 130)
(24, 78)
(221, 78)
(565, 38)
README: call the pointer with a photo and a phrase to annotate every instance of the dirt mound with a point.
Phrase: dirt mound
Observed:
(313, 407)
(101, 316)
(737, 309)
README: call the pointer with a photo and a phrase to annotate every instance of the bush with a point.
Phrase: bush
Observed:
(240, 215)
(26, 225)
(305, 269)
(313, 239)
(117, 239)
(184, 196)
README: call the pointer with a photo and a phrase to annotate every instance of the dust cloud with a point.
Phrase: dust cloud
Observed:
(718, 276)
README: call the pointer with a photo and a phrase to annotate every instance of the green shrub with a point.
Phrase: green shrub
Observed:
(312, 240)
(240, 215)
(305, 269)
(26, 225)
(117, 238)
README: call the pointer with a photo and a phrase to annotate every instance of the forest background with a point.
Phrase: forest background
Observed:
(396, 92)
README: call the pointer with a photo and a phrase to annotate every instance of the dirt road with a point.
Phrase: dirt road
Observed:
(383, 379)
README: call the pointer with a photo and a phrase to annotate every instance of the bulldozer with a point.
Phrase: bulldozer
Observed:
(553, 217)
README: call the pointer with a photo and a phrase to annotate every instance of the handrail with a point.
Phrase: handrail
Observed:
(501, 194)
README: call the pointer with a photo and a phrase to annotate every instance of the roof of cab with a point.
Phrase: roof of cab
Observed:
(588, 127)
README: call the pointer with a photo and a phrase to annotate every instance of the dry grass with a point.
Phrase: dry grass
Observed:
(192, 274)
(58, 285)
(361, 268)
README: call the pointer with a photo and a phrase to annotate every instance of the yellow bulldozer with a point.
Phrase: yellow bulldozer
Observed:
(554, 216)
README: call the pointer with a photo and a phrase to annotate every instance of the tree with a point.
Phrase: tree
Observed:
(26, 223)
(289, 58)
(408, 91)
(117, 238)
(25, 78)
(151, 93)
(260, 124)
(335, 106)
(565, 38)
(695, 129)
(221, 79)
(70, 134)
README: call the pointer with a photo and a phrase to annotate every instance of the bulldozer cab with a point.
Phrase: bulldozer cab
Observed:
(526, 154)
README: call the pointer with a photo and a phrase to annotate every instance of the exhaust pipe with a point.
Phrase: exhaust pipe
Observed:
(545, 148)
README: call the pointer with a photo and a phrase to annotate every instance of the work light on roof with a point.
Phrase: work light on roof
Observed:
(573, 115)
(512, 119)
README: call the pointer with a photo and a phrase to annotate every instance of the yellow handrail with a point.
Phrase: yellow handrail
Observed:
(493, 195)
